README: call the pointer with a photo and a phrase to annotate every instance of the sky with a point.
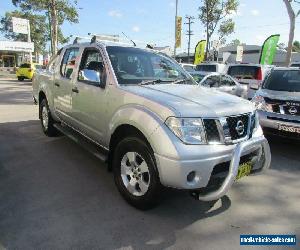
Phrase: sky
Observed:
(153, 21)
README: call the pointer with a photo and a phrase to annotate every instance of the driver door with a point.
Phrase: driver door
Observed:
(89, 99)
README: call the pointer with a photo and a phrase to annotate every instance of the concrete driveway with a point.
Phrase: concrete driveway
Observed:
(55, 195)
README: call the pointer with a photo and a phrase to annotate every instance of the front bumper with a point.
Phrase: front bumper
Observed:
(271, 120)
(173, 172)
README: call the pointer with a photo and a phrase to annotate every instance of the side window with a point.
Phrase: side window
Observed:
(92, 67)
(212, 81)
(227, 81)
(68, 62)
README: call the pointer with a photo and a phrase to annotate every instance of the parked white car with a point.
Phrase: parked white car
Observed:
(251, 75)
(212, 67)
(221, 82)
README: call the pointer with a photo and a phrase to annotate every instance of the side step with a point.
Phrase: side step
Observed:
(84, 142)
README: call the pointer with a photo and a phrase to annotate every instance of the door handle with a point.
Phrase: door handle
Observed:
(75, 90)
(57, 84)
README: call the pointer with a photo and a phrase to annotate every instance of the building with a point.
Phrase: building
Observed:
(251, 54)
(13, 53)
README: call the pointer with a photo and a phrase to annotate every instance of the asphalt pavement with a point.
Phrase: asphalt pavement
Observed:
(55, 195)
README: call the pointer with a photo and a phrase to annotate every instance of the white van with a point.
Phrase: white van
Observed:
(251, 75)
(212, 67)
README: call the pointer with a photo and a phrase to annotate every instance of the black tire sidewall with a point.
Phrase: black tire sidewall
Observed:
(51, 131)
(151, 197)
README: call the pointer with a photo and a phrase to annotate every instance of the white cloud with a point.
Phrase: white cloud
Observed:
(136, 29)
(115, 13)
(255, 12)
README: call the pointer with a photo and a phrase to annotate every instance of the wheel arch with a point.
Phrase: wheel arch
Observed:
(121, 132)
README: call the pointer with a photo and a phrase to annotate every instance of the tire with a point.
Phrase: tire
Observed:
(20, 78)
(134, 166)
(47, 121)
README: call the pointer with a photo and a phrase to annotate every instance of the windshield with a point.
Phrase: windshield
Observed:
(25, 66)
(206, 68)
(198, 77)
(188, 68)
(243, 72)
(283, 80)
(134, 65)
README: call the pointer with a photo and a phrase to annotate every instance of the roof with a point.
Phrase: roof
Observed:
(286, 68)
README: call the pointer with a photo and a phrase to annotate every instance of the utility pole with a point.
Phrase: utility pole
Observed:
(176, 13)
(189, 32)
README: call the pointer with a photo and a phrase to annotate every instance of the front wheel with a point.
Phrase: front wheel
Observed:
(47, 121)
(20, 78)
(135, 173)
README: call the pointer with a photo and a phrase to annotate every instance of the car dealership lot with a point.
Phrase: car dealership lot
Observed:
(54, 194)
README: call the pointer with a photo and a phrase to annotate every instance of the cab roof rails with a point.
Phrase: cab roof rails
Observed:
(79, 38)
(110, 38)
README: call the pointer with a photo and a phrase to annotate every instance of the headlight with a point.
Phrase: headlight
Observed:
(260, 104)
(254, 121)
(189, 130)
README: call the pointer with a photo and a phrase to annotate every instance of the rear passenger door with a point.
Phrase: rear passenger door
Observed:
(63, 83)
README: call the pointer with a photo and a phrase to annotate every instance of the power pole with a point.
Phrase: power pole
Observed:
(189, 32)
(176, 13)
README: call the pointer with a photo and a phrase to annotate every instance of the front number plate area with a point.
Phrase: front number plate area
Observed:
(244, 170)
(288, 128)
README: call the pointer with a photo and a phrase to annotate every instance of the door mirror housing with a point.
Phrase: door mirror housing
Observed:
(92, 77)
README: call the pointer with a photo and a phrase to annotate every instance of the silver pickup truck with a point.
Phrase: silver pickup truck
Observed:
(152, 123)
(278, 103)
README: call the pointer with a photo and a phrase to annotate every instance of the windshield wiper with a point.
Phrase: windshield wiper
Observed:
(153, 82)
(183, 81)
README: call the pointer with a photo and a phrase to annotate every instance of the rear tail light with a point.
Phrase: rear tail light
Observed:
(259, 74)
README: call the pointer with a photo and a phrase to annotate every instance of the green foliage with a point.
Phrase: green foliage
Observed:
(39, 29)
(215, 13)
(235, 42)
(66, 11)
(296, 46)
(226, 28)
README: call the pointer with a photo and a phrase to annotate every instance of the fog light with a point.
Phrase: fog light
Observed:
(191, 176)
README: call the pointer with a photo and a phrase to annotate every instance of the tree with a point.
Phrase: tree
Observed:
(214, 12)
(57, 11)
(226, 28)
(296, 46)
(292, 16)
(235, 42)
(39, 30)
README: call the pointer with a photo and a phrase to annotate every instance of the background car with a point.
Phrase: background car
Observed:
(295, 64)
(278, 102)
(212, 67)
(27, 70)
(251, 75)
(222, 82)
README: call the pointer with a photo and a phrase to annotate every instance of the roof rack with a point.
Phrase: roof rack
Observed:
(79, 38)
(101, 38)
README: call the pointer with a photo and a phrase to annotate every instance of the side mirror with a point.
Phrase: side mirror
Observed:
(91, 76)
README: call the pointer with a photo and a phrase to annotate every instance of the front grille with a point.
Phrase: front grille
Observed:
(288, 107)
(238, 126)
(230, 129)
(211, 129)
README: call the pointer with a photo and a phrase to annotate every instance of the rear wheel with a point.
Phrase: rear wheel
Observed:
(135, 173)
(47, 121)
(20, 78)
